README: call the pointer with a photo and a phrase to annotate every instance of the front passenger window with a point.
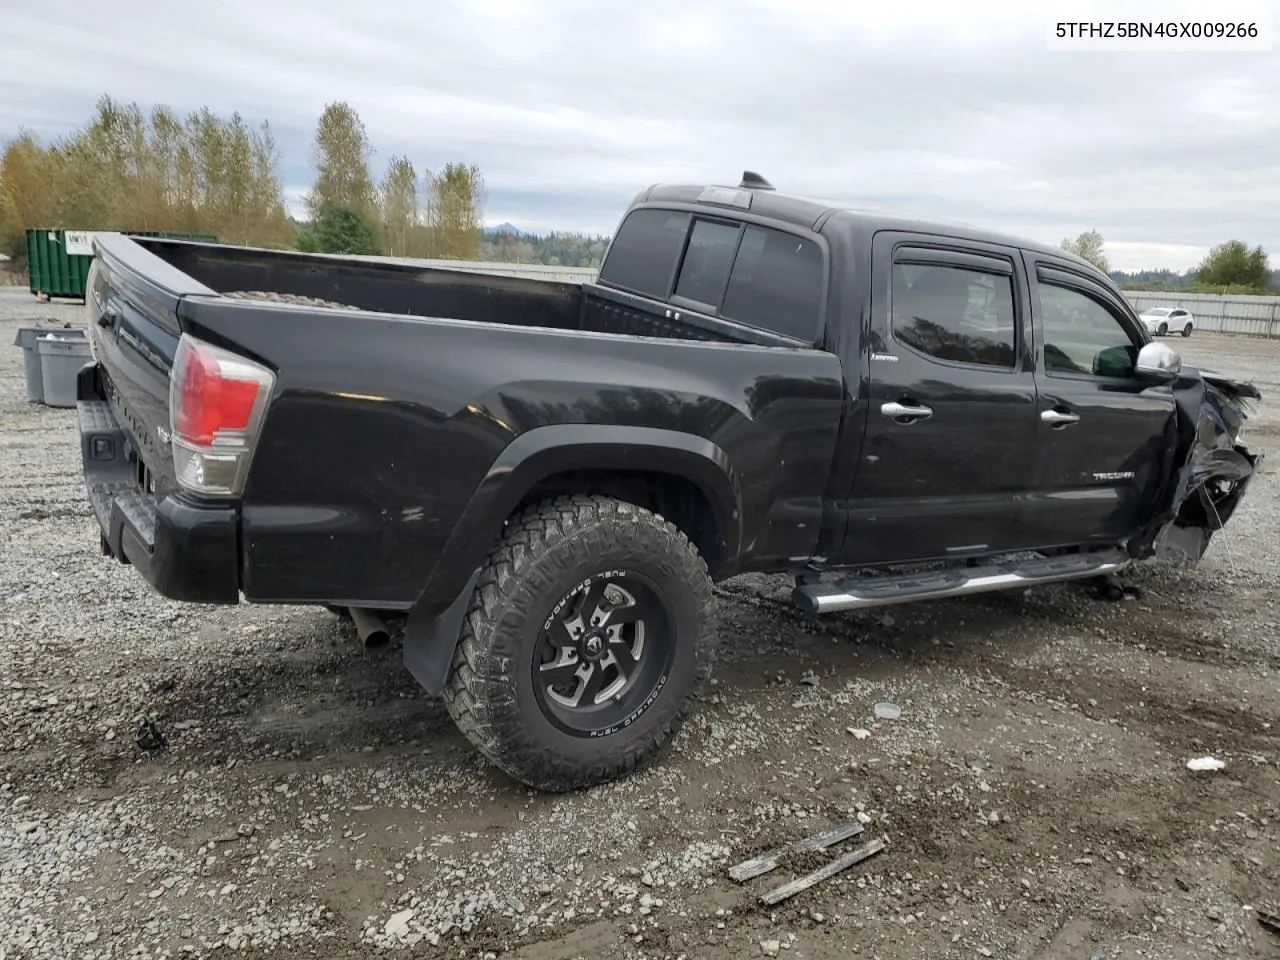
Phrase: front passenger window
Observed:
(1082, 337)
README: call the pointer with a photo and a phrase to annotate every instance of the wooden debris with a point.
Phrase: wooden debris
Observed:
(788, 890)
(819, 841)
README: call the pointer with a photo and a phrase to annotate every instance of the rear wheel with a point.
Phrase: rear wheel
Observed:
(1164, 329)
(1186, 330)
(587, 641)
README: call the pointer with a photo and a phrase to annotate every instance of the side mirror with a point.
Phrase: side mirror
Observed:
(1158, 361)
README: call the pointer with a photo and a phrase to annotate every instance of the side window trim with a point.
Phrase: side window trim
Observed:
(913, 254)
(674, 277)
(917, 255)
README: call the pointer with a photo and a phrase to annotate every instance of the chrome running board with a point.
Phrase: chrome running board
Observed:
(860, 592)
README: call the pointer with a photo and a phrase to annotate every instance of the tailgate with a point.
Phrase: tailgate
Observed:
(131, 299)
(186, 550)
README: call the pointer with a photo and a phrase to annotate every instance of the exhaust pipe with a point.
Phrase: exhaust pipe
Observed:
(373, 632)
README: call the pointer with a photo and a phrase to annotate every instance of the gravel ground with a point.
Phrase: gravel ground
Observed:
(309, 798)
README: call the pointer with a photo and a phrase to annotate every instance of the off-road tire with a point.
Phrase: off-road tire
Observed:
(543, 552)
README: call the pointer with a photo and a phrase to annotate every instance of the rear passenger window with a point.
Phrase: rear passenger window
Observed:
(643, 255)
(951, 313)
(707, 261)
(776, 283)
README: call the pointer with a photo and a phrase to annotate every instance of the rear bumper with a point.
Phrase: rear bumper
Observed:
(185, 550)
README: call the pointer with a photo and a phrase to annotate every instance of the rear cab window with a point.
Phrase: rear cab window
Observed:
(643, 256)
(776, 283)
(707, 262)
(754, 275)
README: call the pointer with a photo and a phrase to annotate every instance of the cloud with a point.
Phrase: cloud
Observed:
(570, 107)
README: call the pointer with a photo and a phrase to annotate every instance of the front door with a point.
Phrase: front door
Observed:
(952, 420)
(1101, 431)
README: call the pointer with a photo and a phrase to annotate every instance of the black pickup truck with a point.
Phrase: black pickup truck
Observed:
(544, 480)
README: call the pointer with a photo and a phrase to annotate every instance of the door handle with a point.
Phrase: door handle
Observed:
(1058, 419)
(908, 413)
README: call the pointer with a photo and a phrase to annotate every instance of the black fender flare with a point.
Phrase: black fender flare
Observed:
(435, 620)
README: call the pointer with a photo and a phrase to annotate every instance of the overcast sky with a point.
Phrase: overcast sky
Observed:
(570, 107)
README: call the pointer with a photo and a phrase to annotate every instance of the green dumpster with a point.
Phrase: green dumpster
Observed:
(52, 269)
(58, 260)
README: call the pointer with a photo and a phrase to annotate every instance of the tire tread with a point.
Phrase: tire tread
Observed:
(478, 693)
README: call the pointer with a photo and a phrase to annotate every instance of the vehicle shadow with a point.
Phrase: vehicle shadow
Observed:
(313, 691)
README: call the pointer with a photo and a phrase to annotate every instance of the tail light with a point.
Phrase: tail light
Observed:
(217, 401)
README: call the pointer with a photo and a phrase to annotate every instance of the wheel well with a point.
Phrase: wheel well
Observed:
(678, 499)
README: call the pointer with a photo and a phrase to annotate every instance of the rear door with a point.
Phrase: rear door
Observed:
(948, 452)
(1101, 431)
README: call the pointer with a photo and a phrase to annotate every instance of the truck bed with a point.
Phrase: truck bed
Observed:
(399, 428)
(415, 290)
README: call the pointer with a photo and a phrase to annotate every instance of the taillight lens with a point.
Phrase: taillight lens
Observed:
(217, 400)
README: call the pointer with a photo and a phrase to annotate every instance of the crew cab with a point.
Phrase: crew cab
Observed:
(543, 480)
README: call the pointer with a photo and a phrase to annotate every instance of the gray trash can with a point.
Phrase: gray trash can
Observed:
(26, 339)
(60, 361)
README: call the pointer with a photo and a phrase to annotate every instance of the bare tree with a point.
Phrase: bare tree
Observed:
(398, 198)
(273, 226)
(1088, 245)
(129, 171)
(29, 177)
(457, 208)
(341, 156)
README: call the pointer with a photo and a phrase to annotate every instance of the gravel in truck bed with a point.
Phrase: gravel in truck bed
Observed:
(291, 795)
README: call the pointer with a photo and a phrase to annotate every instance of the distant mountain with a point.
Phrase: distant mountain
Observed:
(507, 228)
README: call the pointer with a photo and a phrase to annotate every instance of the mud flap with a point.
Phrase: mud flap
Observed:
(1207, 470)
(431, 638)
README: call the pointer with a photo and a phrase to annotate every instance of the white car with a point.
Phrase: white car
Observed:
(1161, 320)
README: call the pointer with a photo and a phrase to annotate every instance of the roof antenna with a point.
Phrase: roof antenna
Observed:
(753, 181)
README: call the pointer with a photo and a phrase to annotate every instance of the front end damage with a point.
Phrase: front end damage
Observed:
(1208, 468)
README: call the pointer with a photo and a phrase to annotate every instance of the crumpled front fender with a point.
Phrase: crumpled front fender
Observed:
(1207, 471)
